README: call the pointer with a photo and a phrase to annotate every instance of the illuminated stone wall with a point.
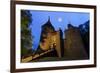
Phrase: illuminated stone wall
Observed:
(74, 48)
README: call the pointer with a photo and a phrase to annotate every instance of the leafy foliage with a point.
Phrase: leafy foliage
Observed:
(26, 36)
(84, 30)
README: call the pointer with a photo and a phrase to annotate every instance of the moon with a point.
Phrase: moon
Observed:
(60, 19)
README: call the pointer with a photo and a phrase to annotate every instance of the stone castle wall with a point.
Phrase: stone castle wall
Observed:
(73, 45)
(53, 39)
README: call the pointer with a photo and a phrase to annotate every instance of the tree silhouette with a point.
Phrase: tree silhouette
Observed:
(84, 30)
(26, 36)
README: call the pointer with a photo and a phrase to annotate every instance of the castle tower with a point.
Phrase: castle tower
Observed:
(50, 38)
(45, 38)
(74, 48)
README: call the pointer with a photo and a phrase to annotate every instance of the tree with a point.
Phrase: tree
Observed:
(84, 30)
(26, 36)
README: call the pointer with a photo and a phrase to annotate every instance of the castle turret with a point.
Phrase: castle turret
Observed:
(50, 39)
(47, 29)
(74, 47)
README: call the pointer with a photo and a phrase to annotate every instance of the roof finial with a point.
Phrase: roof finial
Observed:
(49, 18)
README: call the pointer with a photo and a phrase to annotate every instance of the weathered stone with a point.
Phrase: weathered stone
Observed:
(74, 48)
(71, 47)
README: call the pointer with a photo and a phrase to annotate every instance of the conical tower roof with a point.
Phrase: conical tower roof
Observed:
(48, 24)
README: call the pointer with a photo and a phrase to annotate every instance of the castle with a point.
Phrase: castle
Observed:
(70, 47)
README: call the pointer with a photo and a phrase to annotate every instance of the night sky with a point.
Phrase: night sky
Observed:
(58, 20)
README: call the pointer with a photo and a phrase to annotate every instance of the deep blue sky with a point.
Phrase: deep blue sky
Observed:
(58, 20)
